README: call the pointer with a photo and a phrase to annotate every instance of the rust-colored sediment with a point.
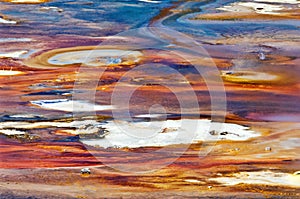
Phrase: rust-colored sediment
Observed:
(263, 95)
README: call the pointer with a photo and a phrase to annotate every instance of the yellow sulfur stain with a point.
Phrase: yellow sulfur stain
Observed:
(249, 77)
(10, 73)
